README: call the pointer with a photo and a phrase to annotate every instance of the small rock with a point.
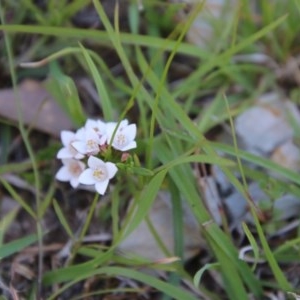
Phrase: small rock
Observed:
(238, 207)
(262, 129)
(286, 207)
(141, 241)
(287, 155)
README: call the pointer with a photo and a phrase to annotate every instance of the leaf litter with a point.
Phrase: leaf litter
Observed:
(38, 109)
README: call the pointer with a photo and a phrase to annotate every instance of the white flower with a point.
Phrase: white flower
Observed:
(68, 151)
(123, 123)
(89, 143)
(99, 127)
(123, 139)
(99, 173)
(70, 171)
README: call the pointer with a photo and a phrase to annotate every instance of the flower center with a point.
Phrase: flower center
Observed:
(75, 169)
(100, 174)
(120, 140)
(91, 145)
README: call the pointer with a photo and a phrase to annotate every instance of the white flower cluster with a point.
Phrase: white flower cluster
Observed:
(92, 142)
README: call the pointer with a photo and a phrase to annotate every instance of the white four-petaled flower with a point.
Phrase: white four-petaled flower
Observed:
(68, 151)
(99, 127)
(99, 173)
(70, 171)
(123, 137)
(89, 143)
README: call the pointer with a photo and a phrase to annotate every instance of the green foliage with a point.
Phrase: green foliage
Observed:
(65, 92)
(17, 245)
(171, 142)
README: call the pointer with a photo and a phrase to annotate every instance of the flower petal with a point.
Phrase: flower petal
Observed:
(90, 123)
(91, 134)
(103, 140)
(82, 165)
(131, 145)
(64, 153)
(67, 137)
(92, 141)
(101, 187)
(101, 125)
(111, 169)
(94, 162)
(110, 128)
(79, 146)
(80, 134)
(86, 177)
(63, 174)
(130, 132)
(74, 182)
(78, 155)
(123, 124)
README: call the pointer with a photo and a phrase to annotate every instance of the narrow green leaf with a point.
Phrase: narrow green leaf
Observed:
(17, 197)
(259, 161)
(17, 245)
(199, 273)
(253, 244)
(144, 203)
(105, 101)
(231, 269)
(16, 167)
(223, 58)
(62, 219)
(103, 38)
(178, 220)
(64, 91)
(277, 272)
(142, 171)
(70, 272)
(173, 291)
(200, 158)
(222, 247)
(47, 200)
(6, 222)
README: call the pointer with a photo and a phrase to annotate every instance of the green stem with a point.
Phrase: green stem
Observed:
(29, 149)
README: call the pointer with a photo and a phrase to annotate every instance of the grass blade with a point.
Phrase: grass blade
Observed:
(105, 103)
(17, 245)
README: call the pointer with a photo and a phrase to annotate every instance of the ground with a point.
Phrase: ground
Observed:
(203, 203)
